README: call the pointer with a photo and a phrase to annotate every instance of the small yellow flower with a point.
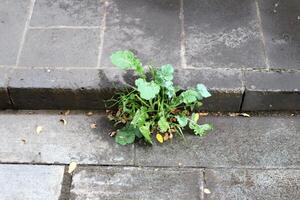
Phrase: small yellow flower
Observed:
(159, 138)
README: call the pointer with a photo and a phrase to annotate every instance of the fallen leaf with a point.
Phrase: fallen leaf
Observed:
(39, 129)
(24, 141)
(166, 136)
(203, 114)
(233, 114)
(89, 113)
(63, 121)
(93, 125)
(206, 191)
(72, 167)
(170, 135)
(113, 133)
(244, 115)
(67, 112)
(159, 138)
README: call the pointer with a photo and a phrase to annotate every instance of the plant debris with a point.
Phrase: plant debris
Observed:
(39, 129)
(63, 121)
(72, 167)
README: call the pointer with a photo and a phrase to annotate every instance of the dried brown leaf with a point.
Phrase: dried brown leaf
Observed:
(93, 125)
(89, 113)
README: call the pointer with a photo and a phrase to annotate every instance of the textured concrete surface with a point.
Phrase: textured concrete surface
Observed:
(151, 28)
(12, 22)
(136, 183)
(4, 96)
(281, 27)
(252, 184)
(61, 48)
(58, 143)
(67, 13)
(222, 34)
(242, 142)
(272, 91)
(28, 182)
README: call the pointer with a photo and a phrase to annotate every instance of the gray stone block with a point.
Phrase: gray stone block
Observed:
(13, 14)
(272, 91)
(150, 28)
(58, 143)
(281, 27)
(67, 13)
(280, 184)
(222, 34)
(136, 183)
(225, 85)
(61, 48)
(234, 142)
(30, 182)
(65, 88)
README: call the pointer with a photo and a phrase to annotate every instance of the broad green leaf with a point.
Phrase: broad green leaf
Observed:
(203, 90)
(148, 90)
(140, 117)
(182, 120)
(165, 73)
(163, 124)
(127, 60)
(145, 130)
(189, 96)
(200, 129)
(123, 59)
(126, 135)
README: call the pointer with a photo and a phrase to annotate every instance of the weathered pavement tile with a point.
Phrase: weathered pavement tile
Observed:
(61, 48)
(64, 88)
(151, 28)
(281, 27)
(30, 182)
(58, 143)
(13, 14)
(222, 34)
(136, 183)
(272, 91)
(67, 13)
(252, 184)
(234, 142)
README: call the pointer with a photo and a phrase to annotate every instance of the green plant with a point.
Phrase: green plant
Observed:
(154, 105)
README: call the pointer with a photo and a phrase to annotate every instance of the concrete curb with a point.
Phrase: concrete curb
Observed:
(233, 89)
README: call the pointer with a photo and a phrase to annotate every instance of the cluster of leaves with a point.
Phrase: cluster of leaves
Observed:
(154, 105)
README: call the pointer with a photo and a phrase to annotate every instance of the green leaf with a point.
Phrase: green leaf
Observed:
(189, 96)
(140, 117)
(127, 60)
(163, 124)
(145, 130)
(126, 135)
(200, 129)
(182, 120)
(203, 90)
(165, 73)
(148, 90)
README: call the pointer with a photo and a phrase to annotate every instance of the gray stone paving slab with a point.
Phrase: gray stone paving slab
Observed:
(136, 183)
(234, 142)
(225, 85)
(61, 48)
(250, 184)
(13, 14)
(67, 13)
(64, 88)
(27, 182)
(151, 28)
(58, 143)
(222, 34)
(281, 27)
(272, 91)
